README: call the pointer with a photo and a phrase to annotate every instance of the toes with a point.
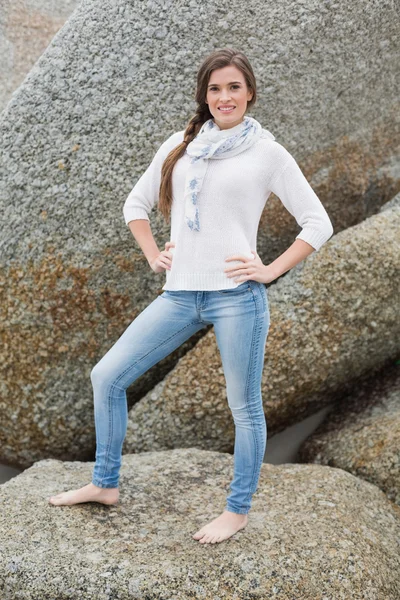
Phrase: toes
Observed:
(56, 499)
(198, 534)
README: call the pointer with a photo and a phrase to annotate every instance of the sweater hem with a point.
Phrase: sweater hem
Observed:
(132, 214)
(199, 282)
(313, 237)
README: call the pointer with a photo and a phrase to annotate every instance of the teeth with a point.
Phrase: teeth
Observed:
(227, 109)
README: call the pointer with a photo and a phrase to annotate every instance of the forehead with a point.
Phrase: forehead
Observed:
(226, 75)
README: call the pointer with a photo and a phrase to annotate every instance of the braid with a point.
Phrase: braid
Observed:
(201, 115)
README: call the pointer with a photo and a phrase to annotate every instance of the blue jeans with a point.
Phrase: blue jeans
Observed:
(240, 317)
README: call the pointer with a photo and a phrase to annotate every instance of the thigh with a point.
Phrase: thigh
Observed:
(241, 323)
(158, 330)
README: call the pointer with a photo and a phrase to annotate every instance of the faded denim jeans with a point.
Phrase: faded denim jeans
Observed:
(240, 317)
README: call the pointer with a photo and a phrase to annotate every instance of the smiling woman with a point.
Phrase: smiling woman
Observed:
(228, 95)
(212, 179)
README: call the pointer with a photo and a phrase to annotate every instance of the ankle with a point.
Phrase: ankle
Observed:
(97, 487)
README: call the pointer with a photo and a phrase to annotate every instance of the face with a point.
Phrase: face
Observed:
(227, 87)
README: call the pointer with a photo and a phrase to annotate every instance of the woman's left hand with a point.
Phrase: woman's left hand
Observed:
(252, 268)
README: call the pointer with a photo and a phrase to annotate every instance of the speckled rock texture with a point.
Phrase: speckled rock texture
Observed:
(314, 533)
(333, 317)
(116, 80)
(361, 433)
(26, 29)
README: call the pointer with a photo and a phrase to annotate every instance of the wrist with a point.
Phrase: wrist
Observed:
(270, 273)
(152, 258)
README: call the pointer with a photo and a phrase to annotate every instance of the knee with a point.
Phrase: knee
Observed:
(96, 374)
(104, 376)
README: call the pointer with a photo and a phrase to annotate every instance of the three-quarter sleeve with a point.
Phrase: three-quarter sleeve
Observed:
(298, 197)
(145, 193)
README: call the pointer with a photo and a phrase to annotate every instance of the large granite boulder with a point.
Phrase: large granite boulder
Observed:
(116, 81)
(313, 532)
(333, 317)
(26, 28)
(361, 433)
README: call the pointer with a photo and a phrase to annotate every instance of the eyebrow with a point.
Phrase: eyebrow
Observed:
(230, 83)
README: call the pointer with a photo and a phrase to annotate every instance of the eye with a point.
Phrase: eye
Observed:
(235, 85)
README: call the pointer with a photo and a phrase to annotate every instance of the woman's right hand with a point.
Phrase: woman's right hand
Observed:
(164, 260)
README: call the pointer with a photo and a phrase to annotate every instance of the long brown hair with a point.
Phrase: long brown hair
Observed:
(216, 60)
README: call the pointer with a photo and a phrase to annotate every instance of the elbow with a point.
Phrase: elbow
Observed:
(328, 229)
(132, 213)
(326, 233)
(316, 234)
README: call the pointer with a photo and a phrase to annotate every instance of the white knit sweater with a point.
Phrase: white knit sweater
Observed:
(231, 202)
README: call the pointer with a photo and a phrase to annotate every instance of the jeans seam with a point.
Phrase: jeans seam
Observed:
(254, 351)
(114, 385)
(264, 297)
(253, 355)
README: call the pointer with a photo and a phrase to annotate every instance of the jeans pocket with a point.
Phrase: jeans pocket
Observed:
(171, 293)
(240, 289)
(264, 296)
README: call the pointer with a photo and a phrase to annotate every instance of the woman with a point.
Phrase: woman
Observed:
(212, 179)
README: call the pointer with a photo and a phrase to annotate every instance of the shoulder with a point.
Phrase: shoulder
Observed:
(173, 140)
(273, 149)
(168, 144)
(266, 134)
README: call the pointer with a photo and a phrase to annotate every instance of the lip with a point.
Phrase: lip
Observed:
(232, 107)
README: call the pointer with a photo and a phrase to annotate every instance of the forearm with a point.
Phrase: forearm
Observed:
(141, 231)
(297, 252)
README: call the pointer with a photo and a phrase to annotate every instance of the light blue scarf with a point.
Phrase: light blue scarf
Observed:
(213, 142)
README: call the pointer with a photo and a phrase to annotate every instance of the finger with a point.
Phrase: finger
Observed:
(164, 261)
(238, 273)
(236, 268)
(164, 265)
(166, 253)
(236, 258)
(240, 279)
(242, 258)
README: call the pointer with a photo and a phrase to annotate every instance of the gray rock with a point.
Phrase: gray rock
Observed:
(313, 532)
(393, 203)
(361, 433)
(115, 81)
(333, 318)
(26, 28)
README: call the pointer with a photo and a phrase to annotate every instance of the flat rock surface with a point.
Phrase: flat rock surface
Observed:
(314, 532)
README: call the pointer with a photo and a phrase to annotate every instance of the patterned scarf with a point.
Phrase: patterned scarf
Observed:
(213, 142)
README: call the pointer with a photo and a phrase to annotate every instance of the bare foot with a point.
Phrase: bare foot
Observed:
(221, 528)
(88, 493)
